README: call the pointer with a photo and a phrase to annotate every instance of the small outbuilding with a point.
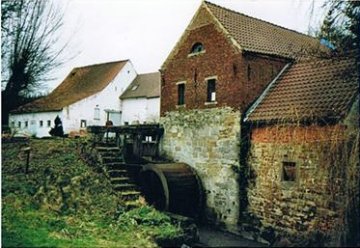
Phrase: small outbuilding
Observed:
(141, 100)
(304, 152)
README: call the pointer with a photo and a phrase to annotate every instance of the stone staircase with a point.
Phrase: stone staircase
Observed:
(111, 158)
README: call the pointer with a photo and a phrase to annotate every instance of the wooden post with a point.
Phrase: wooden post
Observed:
(108, 124)
(27, 152)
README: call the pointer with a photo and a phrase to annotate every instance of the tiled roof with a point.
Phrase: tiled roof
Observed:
(81, 83)
(145, 85)
(255, 35)
(313, 89)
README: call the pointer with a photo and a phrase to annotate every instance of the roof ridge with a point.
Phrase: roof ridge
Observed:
(111, 62)
(258, 19)
(148, 73)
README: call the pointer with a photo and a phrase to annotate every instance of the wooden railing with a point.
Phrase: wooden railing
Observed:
(135, 140)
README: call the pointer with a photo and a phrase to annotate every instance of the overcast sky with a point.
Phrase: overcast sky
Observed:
(145, 31)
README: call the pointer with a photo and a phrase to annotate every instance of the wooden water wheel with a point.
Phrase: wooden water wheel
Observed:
(172, 187)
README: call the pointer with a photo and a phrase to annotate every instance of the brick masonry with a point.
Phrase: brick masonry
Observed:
(240, 78)
(208, 140)
(319, 198)
(207, 137)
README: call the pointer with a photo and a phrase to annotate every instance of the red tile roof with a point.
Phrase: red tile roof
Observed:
(319, 88)
(81, 83)
(145, 85)
(255, 35)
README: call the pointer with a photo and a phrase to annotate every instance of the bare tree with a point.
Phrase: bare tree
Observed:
(30, 32)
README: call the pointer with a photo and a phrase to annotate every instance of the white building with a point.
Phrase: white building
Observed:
(141, 100)
(88, 96)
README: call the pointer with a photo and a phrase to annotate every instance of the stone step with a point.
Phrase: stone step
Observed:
(124, 186)
(114, 166)
(129, 195)
(117, 173)
(132, 204)
(111, 160)
(119, 180)
(107, 148)
(113, 154)
(105, 144)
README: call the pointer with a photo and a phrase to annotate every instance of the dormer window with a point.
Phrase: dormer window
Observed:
(197, 48)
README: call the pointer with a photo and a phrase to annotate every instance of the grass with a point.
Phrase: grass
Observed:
(63, 202)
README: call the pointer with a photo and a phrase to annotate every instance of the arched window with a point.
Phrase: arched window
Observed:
(197, 47)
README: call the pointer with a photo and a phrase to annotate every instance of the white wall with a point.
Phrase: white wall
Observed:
(153, 109)
(33, 122)
(141, 109)
(134, 109)
(106, 99)
(72, 115)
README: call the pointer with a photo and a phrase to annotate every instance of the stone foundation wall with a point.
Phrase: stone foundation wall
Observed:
(325, 188)
(209, 141)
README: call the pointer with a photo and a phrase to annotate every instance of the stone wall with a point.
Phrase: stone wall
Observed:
(209, 141)
(325, 188)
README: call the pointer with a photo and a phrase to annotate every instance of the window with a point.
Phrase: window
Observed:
(134, 87)
(83, 123)
(197, 47)
(148, 138)
(19, 124)
(181, 94)
(13, 124)
(41, 123)
(289, 171)
(96, 113)
(48, 123)
(26, 123)
(211, 93)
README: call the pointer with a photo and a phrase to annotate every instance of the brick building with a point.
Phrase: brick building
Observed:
(218, 73)
(304, 154)
(236, 53)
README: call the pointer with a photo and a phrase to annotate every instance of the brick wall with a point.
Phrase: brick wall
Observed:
(327, 174)
(240, 78)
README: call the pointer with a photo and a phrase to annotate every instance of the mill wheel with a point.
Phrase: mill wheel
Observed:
(172, 187)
